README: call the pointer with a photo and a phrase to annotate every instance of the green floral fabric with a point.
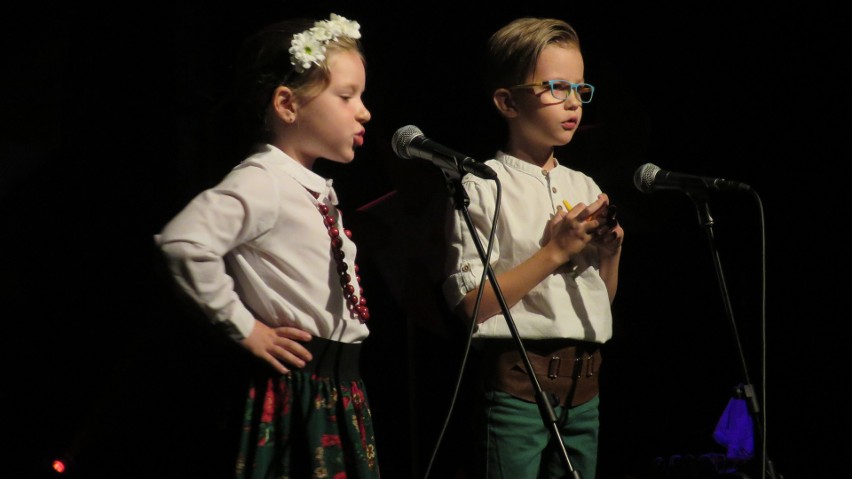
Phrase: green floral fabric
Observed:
(300, 426)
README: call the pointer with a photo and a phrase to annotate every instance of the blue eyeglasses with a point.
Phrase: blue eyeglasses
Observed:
(561, 89)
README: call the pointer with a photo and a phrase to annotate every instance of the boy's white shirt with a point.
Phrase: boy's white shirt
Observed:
(573, 302)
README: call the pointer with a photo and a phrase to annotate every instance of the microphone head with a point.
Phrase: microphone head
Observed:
(644, 177)
(402, 138)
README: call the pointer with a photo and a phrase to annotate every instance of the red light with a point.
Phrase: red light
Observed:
(59, 466)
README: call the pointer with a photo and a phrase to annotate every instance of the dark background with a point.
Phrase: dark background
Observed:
(114, 117)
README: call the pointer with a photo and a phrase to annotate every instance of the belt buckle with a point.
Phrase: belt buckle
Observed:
(586, 360)
(553, 367)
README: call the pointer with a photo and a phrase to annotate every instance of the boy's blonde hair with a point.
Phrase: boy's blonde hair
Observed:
(513, 50)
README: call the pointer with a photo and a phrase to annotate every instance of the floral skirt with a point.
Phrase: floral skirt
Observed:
(306, 425)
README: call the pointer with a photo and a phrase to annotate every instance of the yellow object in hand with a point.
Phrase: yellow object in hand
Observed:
(568, 206)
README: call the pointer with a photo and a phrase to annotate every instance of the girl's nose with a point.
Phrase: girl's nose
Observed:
(364, 114)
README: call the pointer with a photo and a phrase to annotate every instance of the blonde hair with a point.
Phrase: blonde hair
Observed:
(513, 51)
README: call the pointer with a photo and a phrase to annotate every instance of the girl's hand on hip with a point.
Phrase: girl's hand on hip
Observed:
(280, 347)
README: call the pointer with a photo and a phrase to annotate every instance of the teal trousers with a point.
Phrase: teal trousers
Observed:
(518, 444)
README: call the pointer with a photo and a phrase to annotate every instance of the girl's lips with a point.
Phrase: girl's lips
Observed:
(359, 139)
(569, 125)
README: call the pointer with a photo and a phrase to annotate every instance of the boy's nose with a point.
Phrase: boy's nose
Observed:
(573, 101)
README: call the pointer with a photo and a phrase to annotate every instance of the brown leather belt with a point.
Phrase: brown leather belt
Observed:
(565, 368)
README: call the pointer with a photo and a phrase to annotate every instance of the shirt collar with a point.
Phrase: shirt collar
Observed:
(521, 165)
(304, 176)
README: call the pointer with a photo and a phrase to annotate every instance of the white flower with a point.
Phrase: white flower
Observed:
(322, 33)
(308, 48)
(305, 49)
(343, 27)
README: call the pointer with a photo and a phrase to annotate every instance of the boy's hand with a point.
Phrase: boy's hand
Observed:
(598, 210)
(609, 239)
(609, 234)
(574, 227)
(569, 232)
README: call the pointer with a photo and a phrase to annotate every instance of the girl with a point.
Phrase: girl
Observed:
(264, 253)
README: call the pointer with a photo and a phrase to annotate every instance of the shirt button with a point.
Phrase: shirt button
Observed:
(465, 268)
(553, 189)
(544, 172)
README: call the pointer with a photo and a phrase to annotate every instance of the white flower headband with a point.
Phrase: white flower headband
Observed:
(308, 47)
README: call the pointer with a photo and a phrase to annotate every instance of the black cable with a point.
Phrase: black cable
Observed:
(472, 328)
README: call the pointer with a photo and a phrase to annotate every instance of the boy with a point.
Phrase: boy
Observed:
(556, 264)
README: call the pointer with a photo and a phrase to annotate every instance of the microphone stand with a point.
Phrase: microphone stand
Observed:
(746, 390)
(545, 403)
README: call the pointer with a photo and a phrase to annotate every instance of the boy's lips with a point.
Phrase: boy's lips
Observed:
(569, 124)
(359, 139)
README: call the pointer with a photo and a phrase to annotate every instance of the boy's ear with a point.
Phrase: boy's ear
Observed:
(285, 104)
(504, 102)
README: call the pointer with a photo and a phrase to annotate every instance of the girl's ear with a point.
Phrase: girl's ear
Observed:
(504, 102)
(284, 104)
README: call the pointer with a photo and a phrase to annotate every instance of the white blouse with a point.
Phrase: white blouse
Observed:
(255, 246)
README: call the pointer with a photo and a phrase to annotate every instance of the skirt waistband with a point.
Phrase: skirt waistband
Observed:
(333, 359)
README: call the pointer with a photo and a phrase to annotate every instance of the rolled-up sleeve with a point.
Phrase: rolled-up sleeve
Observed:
(464, 265)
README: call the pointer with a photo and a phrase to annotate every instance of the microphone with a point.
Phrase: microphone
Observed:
(408, 142)
(649, 178)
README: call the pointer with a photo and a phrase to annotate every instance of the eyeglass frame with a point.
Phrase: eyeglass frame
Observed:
(550, 83)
